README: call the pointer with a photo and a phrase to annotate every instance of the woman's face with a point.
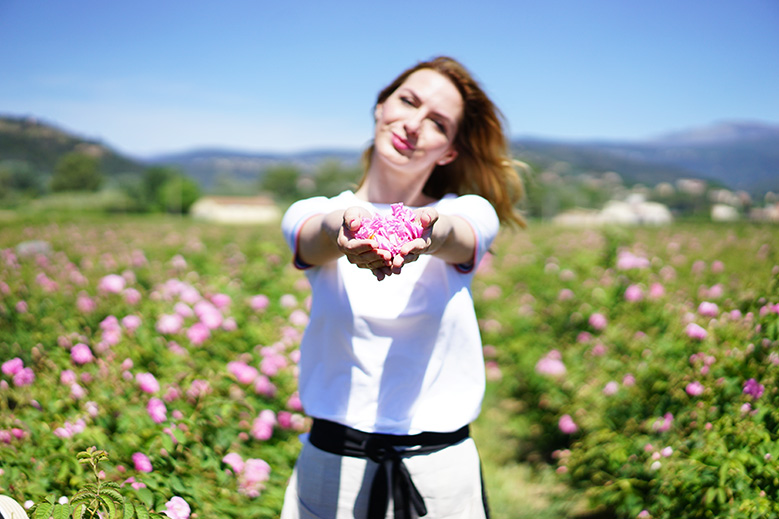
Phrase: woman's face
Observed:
(416, 125)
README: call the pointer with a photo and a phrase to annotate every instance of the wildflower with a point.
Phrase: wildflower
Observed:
(694, 388)
(298, 318)
(656, 291)
(644, 514)
(131, 322)
(85, 304)
(132, 296)
(157, 410)
(259, 303)
(263, 386)
(288, 301)
(177, 508)
(634, 294)
(598, 321)
(664, 423)
(567, 425)
(77, 392)
(198, 333)
(81, 354)
(67, 377)
(198, 388)
(294, 402)
(111, 284)
(147, 382)
(24, 377)
(708, 309)
(142, 462)
(262, 428)
(551, 364)
(695, 331)
(611, 388)
(235, 462)
(626, 260)
(169, 324)
(221, 301)
(13, 366)
(255, 473)
(242, 371)
(565, 294)
(753, 388)
(393, 231)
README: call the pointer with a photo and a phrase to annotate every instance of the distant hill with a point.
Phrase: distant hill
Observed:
(41, 145)
(207, 165)
(737, 155)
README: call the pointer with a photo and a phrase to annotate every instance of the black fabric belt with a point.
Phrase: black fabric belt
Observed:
(386, 450)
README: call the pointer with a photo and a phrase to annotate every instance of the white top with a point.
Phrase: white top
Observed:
(398, 356)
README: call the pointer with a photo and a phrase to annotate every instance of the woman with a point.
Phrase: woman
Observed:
(391, 364)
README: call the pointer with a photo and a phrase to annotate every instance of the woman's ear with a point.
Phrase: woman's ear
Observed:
(449, 157)
(377, 112)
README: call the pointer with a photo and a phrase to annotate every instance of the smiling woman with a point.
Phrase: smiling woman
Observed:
(391, 365)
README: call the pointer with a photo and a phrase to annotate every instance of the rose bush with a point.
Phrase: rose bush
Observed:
(640, 364)
(644, 363)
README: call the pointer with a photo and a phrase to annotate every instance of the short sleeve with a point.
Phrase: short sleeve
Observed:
(483, 219)
(294, 218)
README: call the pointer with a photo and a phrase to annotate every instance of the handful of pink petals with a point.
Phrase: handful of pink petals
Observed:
(392, 231)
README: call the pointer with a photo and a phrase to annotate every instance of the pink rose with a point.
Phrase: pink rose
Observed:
(81, 354)
(177, 508)
(147, 382)
(142, 462)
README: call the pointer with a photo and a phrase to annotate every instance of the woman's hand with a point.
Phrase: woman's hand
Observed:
(362, 253)
(410, 252)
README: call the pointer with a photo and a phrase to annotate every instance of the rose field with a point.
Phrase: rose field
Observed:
(632, 371)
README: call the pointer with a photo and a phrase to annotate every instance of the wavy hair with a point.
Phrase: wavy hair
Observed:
(483, 165)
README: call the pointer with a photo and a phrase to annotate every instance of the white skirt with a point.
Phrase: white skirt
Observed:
(329, 486)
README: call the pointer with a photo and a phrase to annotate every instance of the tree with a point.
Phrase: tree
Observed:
(153, 179)
(332, 178)
(281, 182)
(178, 194)
(77, 172)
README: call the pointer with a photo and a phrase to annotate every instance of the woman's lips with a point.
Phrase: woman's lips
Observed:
(401, 144)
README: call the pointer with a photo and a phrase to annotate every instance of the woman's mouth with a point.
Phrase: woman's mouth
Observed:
(401, 144)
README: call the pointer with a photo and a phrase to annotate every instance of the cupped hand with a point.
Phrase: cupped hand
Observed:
(410, 252)
(362, 253)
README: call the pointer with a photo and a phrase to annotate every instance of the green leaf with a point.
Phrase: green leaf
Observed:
(141, 512)
(61, 511)
(43, 511)
(78, 511)
(113, 494)
(109, 504)
(128, 511)
(146, 497)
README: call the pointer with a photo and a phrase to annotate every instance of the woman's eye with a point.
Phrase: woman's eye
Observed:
(407, 101)
(440, 126)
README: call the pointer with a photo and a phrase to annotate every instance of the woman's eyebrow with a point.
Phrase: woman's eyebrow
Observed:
(413, 94)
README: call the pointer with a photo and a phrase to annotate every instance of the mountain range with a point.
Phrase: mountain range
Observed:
(739, 155)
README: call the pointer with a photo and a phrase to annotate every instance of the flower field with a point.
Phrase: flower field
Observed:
(640, 365)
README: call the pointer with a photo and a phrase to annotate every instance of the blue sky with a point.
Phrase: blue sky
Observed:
(147, 77)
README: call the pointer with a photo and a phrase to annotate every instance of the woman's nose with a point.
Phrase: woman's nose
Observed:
(412, 124)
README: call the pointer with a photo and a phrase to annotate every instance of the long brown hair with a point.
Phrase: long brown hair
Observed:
(483, 165)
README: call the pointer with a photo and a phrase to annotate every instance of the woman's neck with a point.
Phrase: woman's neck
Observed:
(385, 186)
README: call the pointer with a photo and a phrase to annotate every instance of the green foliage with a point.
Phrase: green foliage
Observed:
(281, 182)
(77, 172)
(178, 194)
(331, 178)
(645, 439)
(99, 499)
(187, 460)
